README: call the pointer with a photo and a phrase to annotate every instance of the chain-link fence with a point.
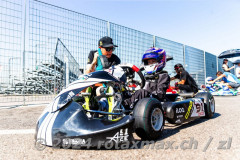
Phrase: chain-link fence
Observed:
(65, 68)
(44, 47)
(10, 46)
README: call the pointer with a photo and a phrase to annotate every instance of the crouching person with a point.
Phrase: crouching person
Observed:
(231, 80)
(157, 80)
(187, 83)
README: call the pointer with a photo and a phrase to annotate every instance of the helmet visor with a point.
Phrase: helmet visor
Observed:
(148, 56)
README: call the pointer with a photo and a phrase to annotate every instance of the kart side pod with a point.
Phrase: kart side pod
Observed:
(180, 112)
(70, 126)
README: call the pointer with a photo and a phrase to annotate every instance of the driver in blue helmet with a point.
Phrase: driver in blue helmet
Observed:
(157, 80)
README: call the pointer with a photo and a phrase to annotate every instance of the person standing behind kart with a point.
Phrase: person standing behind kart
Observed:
(157, 80)
(100, 59)
(225, 66)
(104, 54)
(186, 82)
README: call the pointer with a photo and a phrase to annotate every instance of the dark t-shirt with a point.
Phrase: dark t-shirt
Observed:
(113, 60)
(188, 79)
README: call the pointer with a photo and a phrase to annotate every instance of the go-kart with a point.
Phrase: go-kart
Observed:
(219, 89)
(81, 121)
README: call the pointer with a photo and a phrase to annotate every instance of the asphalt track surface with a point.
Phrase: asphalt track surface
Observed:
(216, 138)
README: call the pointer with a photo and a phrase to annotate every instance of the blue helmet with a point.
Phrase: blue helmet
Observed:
(209, 79)
(154, 53)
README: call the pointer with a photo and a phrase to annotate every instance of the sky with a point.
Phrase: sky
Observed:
(210, 25)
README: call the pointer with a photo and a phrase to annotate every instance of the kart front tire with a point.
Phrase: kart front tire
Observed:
(209, 103)
(149, 119)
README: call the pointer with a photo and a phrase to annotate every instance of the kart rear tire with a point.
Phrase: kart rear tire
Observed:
(149, 119)
(209, 103)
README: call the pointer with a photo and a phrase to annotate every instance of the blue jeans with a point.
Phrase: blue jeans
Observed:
(234, 85)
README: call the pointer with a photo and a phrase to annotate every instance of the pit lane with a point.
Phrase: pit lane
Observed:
(18, 124)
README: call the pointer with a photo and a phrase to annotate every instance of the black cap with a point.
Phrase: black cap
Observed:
(106, 42)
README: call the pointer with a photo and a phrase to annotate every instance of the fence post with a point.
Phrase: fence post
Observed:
(66, 70)
(108, 28)
(154, 41)
(205, 71)
(55, 69)
(24, 49)
(184, 63)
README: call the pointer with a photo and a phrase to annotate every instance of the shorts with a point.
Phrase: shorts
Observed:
(234, 85)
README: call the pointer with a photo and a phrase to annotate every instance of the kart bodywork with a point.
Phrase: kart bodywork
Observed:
(220, 89)
(65, 122)
(185, 107)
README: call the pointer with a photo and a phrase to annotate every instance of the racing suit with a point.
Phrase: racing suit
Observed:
(156, 86)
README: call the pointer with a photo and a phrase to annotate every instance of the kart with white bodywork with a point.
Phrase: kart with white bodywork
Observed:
(77, 119)
(220, 89)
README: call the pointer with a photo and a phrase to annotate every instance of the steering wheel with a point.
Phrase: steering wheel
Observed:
(129, 69)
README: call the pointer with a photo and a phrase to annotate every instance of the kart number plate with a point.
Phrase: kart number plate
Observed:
(198, 108)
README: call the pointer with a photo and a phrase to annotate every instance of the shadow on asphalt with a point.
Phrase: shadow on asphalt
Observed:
(171, 131)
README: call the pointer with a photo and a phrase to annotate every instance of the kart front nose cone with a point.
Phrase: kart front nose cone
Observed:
(71, 123)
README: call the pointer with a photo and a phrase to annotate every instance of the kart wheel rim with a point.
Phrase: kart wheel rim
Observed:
(157, 119)
(212, 105)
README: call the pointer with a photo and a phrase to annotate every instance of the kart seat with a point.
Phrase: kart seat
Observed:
(171, 97)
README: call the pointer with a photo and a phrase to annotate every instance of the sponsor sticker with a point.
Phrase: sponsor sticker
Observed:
(189, 109)
(198, 108)
(180, 110)
(179, 116)
(120, 136)
(75, 141)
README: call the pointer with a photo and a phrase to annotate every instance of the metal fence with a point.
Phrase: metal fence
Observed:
(132, 43)
(194, 63)
(44, 47)
(10, 44)
(211, 65)
(65, 68)
(78, 32)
